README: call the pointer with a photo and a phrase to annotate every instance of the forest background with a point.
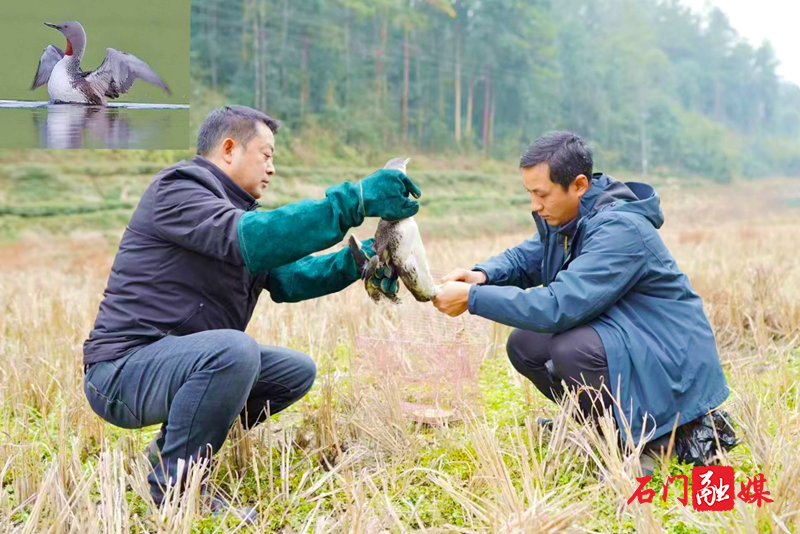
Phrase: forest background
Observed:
(659, 89)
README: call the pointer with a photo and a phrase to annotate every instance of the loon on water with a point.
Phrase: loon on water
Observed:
(398, 249)
(67, 83)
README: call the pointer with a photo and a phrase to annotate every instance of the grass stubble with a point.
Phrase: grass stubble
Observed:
(348, 459)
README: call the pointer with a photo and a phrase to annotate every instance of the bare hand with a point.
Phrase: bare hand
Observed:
(463, 275)
(452, 298)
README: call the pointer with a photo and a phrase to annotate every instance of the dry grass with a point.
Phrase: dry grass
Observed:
(347, 459)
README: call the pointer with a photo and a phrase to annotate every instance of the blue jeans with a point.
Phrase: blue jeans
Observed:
(195, 386)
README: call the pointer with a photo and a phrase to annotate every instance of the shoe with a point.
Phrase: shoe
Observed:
(153, 449)
(652, 452)
(648, 463)
(218, 505)
(545, 423)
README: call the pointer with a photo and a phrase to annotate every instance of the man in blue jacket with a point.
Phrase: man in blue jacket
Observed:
(168, 346)
(596, 298)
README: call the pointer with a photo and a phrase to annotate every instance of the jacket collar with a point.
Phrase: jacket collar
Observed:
(570, 227)
(238, 196)
(603, 191)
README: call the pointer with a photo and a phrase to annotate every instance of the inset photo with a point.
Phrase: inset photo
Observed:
(92, 74)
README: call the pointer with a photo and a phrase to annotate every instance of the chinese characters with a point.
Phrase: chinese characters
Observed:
(713, 489)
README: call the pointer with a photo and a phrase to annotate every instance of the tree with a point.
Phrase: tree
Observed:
(652, 84)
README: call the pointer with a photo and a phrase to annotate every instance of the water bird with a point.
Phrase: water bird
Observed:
(398, 249)
(67, 83)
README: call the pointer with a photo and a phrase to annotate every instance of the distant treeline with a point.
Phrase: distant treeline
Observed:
(654, 86)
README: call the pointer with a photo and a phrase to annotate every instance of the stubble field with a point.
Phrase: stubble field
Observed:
(430, 432)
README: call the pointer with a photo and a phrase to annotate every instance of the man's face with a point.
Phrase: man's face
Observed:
(251, 166)
(553, 204)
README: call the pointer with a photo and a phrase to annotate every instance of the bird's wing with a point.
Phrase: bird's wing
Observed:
(50, 56)
(118, 72)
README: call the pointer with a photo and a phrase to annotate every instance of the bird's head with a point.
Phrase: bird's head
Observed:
(73, 31)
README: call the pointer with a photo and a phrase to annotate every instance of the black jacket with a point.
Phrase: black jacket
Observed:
(179, 268)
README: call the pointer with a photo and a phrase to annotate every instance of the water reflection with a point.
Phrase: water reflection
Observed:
(149, 126)
(63, 127)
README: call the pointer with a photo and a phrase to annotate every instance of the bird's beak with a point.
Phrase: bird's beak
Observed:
(52, 25)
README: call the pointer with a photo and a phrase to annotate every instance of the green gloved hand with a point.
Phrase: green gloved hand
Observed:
(368, 248)
(384, 278)
(385, 194)
(388, 285)
(387, 280)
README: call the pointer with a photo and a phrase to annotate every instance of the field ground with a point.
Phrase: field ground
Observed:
(348, 457)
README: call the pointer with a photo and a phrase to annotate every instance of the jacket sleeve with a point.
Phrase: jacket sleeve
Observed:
(520, 266)
(269, 239)
(191, 215)
(610, 263)
(312, 277)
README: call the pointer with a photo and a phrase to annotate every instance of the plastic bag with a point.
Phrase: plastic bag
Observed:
(696, 441)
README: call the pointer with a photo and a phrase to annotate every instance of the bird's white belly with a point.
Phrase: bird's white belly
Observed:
(59, 87)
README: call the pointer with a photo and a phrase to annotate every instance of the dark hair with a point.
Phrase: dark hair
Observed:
(566, 154)
(236, 122)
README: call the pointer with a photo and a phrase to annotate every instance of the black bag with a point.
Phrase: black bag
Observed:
(696, 441)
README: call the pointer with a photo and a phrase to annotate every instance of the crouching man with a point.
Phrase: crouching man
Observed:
(605, 306)
(168, 346)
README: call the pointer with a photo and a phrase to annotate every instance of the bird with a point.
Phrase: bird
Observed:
(67, 83)
(398, 251)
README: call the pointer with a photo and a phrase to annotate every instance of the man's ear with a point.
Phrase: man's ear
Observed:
(227, 150)
(581, 184)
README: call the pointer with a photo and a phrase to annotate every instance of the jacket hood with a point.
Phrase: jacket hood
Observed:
(607, 192)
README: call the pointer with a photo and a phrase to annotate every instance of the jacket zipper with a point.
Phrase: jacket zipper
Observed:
(546, 277)
(195, 312)
(566, 252)
(567, 248)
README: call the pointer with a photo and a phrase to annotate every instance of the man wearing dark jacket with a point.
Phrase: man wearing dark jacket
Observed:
(168, 346)
(596, 297)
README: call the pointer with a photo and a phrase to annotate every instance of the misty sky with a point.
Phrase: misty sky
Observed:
(775, 20)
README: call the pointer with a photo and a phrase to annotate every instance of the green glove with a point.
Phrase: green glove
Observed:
(384, 277)
(385, 194)
(388, 282)
(390, 286)
(269, 239)
(368, 248)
